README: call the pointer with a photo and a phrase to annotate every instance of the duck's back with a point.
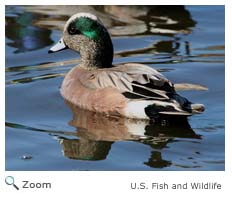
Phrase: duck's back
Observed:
(130, 90)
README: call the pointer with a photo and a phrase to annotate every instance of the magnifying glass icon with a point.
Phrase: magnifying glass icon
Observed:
(10, 181)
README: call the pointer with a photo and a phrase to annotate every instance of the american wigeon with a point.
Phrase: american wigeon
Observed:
(130, 90)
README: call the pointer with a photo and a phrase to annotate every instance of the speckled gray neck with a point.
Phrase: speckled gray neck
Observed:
(97, 54)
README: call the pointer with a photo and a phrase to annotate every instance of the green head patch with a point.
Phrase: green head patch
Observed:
(86, 26)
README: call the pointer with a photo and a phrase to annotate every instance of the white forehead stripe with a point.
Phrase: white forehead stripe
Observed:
(80, 14)
(85, 14)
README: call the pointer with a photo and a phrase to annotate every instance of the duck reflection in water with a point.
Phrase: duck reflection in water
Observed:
(23, 35)
(96, 134)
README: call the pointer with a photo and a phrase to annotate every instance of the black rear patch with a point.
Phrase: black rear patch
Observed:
(152, 111)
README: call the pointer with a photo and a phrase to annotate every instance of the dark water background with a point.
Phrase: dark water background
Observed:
(44, 133)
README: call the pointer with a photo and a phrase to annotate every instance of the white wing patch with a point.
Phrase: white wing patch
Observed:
(135, 109)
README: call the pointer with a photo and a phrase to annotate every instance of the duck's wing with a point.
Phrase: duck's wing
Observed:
(134, 81)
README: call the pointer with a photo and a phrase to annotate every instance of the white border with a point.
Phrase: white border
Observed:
(118, 2)
(117, 183)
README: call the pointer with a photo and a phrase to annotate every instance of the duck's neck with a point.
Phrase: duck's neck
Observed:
(97, 54)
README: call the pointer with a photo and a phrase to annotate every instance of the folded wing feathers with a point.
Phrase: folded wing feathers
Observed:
(145, 96)
(124, 77)
(126, 82)
(159, 92)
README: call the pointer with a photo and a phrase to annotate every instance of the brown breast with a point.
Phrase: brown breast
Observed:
(104, 100)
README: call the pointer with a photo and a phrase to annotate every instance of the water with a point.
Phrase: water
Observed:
(44, 133)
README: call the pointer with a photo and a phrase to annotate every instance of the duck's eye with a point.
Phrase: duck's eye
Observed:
(72, 30)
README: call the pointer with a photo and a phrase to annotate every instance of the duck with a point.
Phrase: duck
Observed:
(130, 90)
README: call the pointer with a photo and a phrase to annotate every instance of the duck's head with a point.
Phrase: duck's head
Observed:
(85, 33)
